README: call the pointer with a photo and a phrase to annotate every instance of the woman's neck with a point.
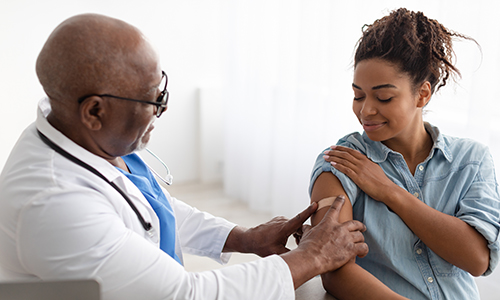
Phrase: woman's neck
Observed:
(415, 147)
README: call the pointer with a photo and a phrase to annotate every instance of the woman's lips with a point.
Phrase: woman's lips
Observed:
(372, 126)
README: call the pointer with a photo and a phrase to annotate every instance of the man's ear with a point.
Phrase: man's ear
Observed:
(92, 110)
(424, 94)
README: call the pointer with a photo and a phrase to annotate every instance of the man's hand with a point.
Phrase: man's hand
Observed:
(268, 238)
(335, 243)
(327, 246)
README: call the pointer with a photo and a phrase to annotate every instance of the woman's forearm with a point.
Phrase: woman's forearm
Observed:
(448, 236)
(353, 282)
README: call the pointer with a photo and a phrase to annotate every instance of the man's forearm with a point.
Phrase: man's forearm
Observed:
(267, 238)
(236, 241)
(302, 266)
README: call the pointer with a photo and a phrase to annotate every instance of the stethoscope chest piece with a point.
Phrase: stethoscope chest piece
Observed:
(151, 233)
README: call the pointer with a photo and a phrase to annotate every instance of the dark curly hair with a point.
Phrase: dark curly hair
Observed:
(418, 46)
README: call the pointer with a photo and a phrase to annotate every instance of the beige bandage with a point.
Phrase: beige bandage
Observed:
(325, 202)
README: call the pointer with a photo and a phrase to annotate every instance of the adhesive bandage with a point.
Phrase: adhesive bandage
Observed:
(325, 202)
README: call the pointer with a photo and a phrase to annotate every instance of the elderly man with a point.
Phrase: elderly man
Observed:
(76, 202)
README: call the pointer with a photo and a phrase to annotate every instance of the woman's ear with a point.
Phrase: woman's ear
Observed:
(91, 112)
(424, 94)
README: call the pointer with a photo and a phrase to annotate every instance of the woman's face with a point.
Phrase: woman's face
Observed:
(384, 101)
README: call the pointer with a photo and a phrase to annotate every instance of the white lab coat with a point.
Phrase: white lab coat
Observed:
(59, 221)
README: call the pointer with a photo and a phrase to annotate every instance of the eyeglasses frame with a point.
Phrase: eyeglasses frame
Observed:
(160, 103)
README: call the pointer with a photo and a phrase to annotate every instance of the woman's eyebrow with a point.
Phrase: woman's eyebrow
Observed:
(384, 86)
(378, 87)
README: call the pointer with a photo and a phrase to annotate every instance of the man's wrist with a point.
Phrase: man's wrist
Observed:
(303, 266)
(236, 241)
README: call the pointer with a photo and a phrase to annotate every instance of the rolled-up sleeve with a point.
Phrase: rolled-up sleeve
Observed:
(321, 165)
(480, 208)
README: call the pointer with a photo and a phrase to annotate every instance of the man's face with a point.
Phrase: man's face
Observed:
(134, 121)
(130, 123)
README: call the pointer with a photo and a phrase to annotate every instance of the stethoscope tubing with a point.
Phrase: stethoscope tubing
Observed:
(146, 225)
(168, 178)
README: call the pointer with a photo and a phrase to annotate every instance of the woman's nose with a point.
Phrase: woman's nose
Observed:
(368, 107)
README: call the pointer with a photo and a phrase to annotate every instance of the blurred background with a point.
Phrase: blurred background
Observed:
(257, 88)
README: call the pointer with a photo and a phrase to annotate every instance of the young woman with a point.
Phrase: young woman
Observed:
(430, 201)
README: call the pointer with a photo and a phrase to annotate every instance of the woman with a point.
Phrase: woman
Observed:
(430, 201)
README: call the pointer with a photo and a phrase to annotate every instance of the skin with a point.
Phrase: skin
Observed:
(326, 247)
(398, 124)
(126, 66)
(75, 62)
(344, 283)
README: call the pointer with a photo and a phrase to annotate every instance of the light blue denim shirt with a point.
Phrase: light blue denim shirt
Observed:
(457, 178)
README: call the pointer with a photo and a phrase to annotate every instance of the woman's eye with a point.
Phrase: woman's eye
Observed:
(358, 98)
(384, 100)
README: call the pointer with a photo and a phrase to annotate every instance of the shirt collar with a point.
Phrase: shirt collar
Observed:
(378, 152)
(71, 147)
(439, 142)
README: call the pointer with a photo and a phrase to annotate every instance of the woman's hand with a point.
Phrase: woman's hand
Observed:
(366, 174)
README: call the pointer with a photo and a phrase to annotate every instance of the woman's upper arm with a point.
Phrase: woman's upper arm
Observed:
(328, 185)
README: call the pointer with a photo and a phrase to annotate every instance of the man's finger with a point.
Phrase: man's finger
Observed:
(361, 249)
(354, 225)
(296, 223)
(306, 229)
(357, 237)
(334, 210)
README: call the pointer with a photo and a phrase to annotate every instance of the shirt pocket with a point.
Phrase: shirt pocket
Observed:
(443, 268)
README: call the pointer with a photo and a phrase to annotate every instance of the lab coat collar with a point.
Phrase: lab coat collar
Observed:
(103, 166)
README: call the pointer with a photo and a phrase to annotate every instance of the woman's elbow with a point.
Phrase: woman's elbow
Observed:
(480, 265)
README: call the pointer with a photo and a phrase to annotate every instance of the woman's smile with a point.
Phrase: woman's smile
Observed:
(372, 126)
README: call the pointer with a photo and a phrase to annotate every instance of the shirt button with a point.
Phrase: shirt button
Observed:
(421, 168)
(430, 280)
(416, 194)
(419, 251)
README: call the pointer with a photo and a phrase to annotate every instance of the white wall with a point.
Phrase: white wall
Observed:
(193, 40)
(187, 35)
(196, 45)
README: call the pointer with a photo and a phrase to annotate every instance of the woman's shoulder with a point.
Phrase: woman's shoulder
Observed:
(354, 140)
(465, 148)
(455, 142)
(455, 147)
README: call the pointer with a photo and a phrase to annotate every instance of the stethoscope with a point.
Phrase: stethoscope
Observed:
(167, 180)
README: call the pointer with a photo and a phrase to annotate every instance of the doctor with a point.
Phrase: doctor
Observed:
(76, 202)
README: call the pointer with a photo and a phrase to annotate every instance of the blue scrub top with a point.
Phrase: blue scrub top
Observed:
(142, 177)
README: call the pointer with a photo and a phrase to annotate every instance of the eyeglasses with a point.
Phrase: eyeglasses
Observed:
(160, 103)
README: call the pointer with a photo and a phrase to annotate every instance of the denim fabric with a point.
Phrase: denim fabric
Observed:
(457, 178)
